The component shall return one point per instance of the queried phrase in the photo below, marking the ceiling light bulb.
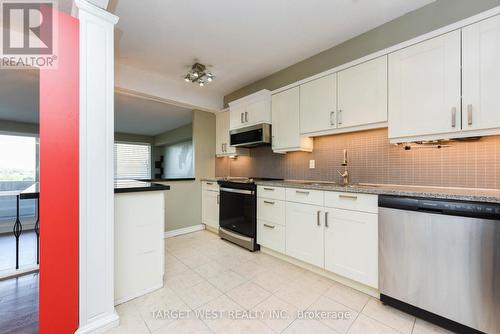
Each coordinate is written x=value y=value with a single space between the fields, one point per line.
x=186 y=79
x=195 y=74
x=202 y=84
x=209 y=79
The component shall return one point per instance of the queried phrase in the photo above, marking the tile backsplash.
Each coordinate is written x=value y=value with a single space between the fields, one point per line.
x=471 y=164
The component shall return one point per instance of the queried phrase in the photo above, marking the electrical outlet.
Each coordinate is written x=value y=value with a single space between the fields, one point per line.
x=312 y=164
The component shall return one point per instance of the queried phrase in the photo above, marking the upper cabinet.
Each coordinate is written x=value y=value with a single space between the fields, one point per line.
x=362 y=94
x=447 y=87
x=250 y=110
x=350 y=100
x=222 y=137
x=424 y=88
x=285 y=121
x=481 y=75
x=318 y=105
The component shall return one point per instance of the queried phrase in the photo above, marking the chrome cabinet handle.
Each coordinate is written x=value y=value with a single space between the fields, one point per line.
x=453 y=117
x=302 y=192
x=332 y=118
x=326 y=219
x=348 y=196
x=269 y=189
x=241 y=117
x=209 y=183
x=339 y=117
x=269 y=202
x=318 y=222
x=218 y=199
x=246 y=116
x=269 y=226
x=469 y=114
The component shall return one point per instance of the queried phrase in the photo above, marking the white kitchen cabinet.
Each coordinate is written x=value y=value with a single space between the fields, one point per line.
x=222 y=137
x=210 y=204
x=250 y=110
x=286 y=126
x=351 y=245
x=271 y=235
x=424 y=89
x=362 y=94
x=318 y=105
x=481 y=75
x=304 y=233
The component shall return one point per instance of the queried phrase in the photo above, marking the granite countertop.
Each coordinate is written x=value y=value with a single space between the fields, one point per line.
x=127 y=186
x=462 y=194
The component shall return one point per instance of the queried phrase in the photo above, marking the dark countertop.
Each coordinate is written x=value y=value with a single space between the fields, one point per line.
x=460 y=194
x=129 y=186
x=31 y=192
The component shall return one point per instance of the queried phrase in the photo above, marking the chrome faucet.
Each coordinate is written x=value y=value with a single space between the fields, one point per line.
x=345 y=174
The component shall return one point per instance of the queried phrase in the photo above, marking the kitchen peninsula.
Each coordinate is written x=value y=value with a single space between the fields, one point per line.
x=139 y=242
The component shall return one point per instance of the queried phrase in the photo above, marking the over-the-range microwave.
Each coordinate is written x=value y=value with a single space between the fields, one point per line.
x=251 y=136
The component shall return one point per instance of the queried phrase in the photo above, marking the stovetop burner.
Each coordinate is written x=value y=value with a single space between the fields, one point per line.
x=238 y=179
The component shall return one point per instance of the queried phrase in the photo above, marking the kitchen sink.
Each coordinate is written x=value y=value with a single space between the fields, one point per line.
x=318 y=183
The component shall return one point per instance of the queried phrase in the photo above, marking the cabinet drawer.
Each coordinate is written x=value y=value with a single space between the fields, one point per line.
x=352 y=201
x=271 y=235
x=271 y=210
x=306 y=196
x=271 y=192
x=210 y=185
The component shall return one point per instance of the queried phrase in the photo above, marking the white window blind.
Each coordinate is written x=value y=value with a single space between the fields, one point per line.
x=132 y=161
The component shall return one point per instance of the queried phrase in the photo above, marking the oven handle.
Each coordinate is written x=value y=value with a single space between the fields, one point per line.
x=238 y=191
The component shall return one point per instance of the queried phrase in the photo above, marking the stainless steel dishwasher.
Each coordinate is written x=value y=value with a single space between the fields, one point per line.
x=440 y=260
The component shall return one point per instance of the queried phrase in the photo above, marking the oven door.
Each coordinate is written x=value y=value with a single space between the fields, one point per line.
x=238 y=211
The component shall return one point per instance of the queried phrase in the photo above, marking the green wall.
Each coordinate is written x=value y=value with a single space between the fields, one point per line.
x=426 y=19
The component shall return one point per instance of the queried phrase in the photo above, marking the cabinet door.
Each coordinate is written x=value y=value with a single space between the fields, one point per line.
x=222 y=132
x=210 y=208
x=257 y=112
x=318 y=104
x=481 y=75
x=351 y=245
x=236 y=117
x=424 y=88
x=362 y=94
x=304 y=233
x=285 y=119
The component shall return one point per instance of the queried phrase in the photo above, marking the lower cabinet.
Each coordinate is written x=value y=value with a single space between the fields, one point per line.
x=304 y=233
x=351 y=245
x=271 y=235
x=331 y=230
x=210 y=207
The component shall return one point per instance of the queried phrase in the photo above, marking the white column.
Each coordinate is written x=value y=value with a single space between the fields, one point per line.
x=96 y=297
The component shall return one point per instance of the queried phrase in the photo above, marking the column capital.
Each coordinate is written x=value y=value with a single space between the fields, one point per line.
x=87 y=7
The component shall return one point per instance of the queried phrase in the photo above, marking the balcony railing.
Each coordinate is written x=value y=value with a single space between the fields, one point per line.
x=19 y=225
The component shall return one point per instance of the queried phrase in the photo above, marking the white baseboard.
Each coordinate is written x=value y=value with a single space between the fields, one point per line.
x=185 y=230
x=334 y=277
x=101 y=325
x=142 y=293
x=6 y=274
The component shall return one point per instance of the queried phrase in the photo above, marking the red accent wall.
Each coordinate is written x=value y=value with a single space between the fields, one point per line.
x=59 y=179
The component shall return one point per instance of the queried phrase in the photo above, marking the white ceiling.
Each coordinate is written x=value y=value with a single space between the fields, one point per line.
x=19 y=101
x=146 y=117
x=244 y=41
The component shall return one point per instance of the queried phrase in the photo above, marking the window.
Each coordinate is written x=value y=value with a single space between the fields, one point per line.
x=132 y=161
x=18 y=171
x=179 y=160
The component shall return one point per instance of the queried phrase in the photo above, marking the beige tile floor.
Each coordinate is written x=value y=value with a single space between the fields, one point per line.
x=210 y=282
